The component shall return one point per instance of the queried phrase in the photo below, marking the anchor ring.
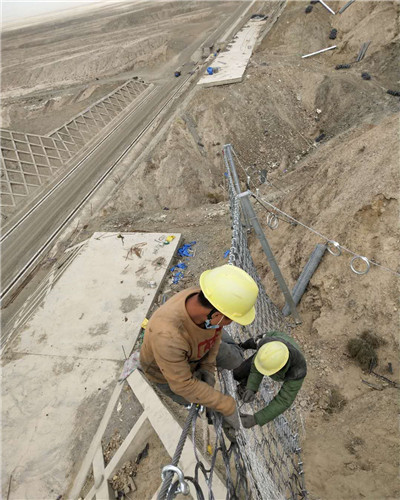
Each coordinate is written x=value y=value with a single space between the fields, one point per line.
x=364 y=259
x=336 y=245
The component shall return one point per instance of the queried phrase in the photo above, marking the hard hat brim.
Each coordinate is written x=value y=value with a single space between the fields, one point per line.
x=247 y=318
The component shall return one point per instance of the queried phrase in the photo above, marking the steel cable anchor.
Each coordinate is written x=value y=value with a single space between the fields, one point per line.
x=183 y=486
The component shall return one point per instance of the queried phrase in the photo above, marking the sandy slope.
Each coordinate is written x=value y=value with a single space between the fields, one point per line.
x=346 y=187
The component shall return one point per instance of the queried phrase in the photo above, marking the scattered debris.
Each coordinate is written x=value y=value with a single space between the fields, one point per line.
x=120 y=480
x=177 y=277
x=135 y=249
x=168 y=239
x=159 y=262
x=111 y=447
x=346 y=6
x=309 y=8
x=333 y=34
x=393 y=92
x=388 y=380
x=365 y=76
x=183 y=251
x=319 y=52
x=363 y=50
x=342 y=66
x=181 y=265
x=130 y=365
x=142 y=454
x=373 y=386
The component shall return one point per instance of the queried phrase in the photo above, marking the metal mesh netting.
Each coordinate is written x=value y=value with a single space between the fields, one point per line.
x=272 y=453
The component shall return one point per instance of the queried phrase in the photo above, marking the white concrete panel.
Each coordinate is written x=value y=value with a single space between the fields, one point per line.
x=101 y=300
x=63 y=366
x=50 y=405
x=232 y=63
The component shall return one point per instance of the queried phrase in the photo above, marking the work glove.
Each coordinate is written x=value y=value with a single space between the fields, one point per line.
x=248 y=344
x=205 y=376
x=233 y=420
x=248 y=396
x=248 y=420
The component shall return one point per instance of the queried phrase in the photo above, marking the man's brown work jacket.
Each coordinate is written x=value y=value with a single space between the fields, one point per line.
x=174 y=347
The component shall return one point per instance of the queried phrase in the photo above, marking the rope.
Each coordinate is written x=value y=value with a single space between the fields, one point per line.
x=296 y=222
x=329 y=240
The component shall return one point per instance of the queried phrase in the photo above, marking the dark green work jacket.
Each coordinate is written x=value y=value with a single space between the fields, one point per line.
x=292 y=375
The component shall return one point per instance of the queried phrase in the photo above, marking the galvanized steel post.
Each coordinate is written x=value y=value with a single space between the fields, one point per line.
x=249 y=210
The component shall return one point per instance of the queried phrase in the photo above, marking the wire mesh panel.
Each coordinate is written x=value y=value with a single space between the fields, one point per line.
x=83 y=127
x=272 y=453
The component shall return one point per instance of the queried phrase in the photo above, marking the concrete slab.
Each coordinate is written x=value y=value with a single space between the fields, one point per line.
x=232 y=63
x=60 y=371
x=105 y=294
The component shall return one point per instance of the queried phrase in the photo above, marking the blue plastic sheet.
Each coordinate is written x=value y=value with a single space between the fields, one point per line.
x=183 y=251
x=181 y=265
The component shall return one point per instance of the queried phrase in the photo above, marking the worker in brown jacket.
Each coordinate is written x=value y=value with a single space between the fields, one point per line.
x=182 y=344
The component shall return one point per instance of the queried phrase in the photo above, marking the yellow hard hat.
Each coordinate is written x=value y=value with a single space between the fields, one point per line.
x=231 y=291
x=271 y=357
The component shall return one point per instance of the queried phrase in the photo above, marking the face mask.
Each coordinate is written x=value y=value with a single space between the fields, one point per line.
x=209 y=326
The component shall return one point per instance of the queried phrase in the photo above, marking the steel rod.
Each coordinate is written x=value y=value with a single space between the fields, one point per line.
x=327 y=7
x=248 y=208
x=305 y=276
x=319 y=51
x=345 y=6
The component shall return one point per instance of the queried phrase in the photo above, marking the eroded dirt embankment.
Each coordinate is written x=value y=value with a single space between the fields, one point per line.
x=345 y=186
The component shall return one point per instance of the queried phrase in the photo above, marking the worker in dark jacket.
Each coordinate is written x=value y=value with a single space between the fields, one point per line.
x=279 y=357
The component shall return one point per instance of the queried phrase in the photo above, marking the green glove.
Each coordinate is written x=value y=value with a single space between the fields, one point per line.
x=248 y=421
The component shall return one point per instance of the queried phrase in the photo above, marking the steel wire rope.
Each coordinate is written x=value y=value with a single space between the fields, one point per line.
x=178 y=452
x=295 y=222
x=329 y=240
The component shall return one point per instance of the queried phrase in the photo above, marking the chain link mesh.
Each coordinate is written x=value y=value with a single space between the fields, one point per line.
x=272 y=453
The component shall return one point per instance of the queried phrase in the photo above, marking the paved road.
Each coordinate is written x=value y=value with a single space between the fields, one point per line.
x=23 y=243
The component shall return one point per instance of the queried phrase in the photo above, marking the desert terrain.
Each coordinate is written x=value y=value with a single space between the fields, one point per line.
x=345 y=186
